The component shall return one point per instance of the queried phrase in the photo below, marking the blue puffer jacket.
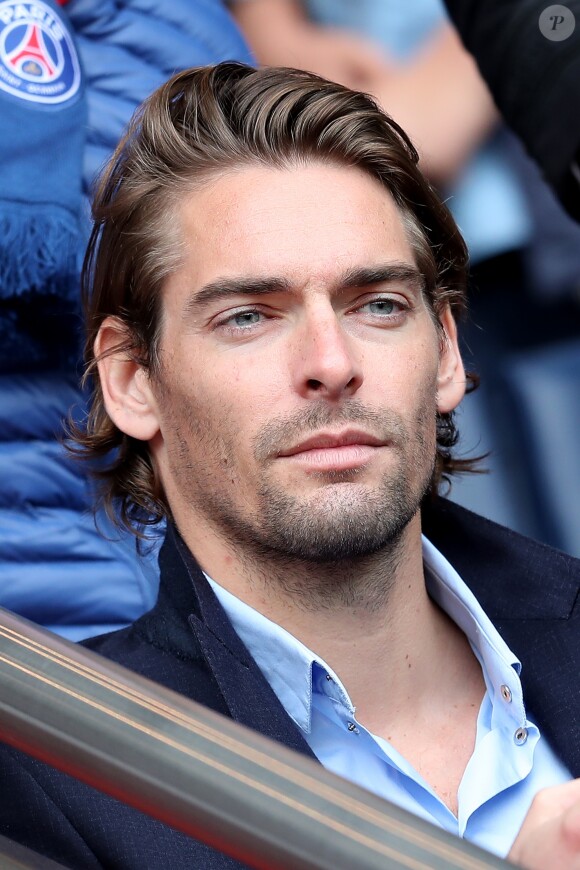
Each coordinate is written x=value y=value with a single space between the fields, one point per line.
x=55 y=567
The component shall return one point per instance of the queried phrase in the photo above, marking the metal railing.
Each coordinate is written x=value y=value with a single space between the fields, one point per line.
x=199 y=772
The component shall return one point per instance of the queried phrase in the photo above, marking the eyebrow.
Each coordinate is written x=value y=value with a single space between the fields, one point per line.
x=391 y=273
x=228 y=288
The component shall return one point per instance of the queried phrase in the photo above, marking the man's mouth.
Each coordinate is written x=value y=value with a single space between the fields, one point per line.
x=327 y=451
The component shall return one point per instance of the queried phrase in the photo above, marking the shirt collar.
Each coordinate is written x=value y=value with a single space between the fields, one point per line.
x=500 y=667
x=283 y=659
x=287 y=663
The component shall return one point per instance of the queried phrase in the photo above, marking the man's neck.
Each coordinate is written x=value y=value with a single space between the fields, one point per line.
x=371 y=620
x=409 y=670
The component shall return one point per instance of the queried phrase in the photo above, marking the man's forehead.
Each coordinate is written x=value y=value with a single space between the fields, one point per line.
x=313 y=220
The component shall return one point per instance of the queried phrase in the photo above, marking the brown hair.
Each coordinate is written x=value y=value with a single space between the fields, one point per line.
x=200 y=123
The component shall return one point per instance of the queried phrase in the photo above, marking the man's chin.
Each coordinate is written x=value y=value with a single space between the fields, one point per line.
x=326 y=531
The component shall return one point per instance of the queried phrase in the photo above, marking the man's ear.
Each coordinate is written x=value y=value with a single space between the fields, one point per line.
x=125 y=384
x=451 y=375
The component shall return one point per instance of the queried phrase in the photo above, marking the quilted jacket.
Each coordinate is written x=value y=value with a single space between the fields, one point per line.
x=55 y=567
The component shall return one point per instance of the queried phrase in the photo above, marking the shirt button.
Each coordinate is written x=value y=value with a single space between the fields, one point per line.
x=506 y=693
x=520 y=736
x=329 y=678
x=352 y=727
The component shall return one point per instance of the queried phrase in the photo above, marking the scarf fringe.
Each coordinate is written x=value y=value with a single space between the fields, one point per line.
x=38 y=251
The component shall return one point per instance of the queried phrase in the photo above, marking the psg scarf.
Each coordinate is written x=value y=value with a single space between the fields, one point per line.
x=42 y=129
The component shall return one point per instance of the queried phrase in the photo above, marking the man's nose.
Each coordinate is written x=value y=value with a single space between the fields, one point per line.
x=325 y=362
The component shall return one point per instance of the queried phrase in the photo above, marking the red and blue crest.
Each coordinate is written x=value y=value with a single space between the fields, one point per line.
x=38 y=58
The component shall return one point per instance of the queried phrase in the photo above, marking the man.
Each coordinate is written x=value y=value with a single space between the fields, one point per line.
x=272 y=289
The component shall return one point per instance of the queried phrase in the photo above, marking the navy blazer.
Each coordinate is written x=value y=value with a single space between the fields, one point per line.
x=187 y=643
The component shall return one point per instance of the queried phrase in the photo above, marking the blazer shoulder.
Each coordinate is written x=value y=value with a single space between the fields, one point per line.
x=511 y=575
x=165 y=652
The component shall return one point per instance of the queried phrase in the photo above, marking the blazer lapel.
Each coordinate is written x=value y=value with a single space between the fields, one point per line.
x=248 y=695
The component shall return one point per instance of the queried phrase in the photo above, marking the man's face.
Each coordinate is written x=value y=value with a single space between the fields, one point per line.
x=300 y=366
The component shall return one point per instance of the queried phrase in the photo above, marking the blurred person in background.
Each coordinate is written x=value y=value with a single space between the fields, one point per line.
x=524 y=252
x=529 y=55
x=70 y=79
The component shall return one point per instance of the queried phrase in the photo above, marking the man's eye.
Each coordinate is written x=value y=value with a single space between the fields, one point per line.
x=384 y=307
x=246 y=318
x=242 y=320
x=381 y=306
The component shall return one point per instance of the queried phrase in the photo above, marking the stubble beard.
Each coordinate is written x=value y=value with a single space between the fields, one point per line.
x=342 y=543
x=342 y=521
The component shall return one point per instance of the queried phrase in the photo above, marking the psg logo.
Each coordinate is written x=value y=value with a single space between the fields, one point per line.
x=38 y=59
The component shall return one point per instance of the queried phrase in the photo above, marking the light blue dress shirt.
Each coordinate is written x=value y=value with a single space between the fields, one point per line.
x=511 y=761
